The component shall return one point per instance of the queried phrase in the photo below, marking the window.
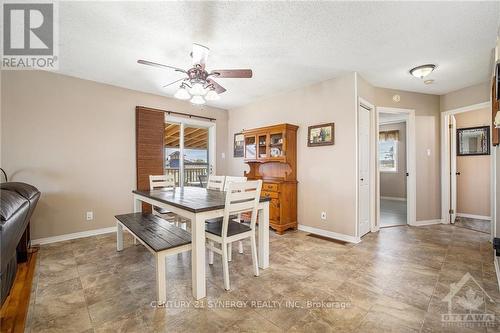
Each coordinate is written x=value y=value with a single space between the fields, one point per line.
x=388 y=155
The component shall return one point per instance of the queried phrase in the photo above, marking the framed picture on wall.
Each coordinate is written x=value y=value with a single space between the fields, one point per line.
x=473 y=141
x=320 y=135
x=239 y=140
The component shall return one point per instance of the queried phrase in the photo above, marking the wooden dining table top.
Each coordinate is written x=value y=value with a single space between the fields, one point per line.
x=190 y=198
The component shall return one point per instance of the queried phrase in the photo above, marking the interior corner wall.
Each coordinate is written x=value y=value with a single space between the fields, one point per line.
x=427 y=146
x=75 y=141
x=326 y=175
x=476 y=94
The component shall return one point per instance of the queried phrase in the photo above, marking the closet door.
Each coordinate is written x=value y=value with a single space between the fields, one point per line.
x=149 y=130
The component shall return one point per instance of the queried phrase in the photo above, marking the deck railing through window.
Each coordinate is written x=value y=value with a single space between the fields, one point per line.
x=190 y=174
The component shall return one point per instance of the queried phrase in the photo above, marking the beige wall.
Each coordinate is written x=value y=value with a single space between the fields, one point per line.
x=473 y=184
x=75 y=140
x=427 y=140
x=393 y=184
x=326 y=175
x=467 y=96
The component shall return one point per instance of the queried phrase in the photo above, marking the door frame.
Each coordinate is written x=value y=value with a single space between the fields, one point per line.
x=212 y=153
x=411 y=168
x=446 y=164
x=372 y=215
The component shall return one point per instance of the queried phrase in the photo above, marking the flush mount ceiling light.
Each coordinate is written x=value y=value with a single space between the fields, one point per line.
x=429 y=81
x=422 y=71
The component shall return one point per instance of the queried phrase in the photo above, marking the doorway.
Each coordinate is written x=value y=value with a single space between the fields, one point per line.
x=189 y=150
x=467 y=168
x=395 y=167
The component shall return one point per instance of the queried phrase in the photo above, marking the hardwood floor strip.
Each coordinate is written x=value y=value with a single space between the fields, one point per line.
x=14 y=310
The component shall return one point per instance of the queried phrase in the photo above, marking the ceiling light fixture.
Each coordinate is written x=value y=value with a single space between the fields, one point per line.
x=198 y=100
x=182 y=93
x=422 y=71
x=429 y=81
x=197 y=89
x=212 y=95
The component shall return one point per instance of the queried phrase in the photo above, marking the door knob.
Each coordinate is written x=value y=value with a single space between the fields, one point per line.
x=362 y=179
x=457 y=173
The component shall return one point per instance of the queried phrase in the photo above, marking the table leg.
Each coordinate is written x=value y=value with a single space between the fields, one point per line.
x=119 y=237
x=137 y=209
x=198 y=256
x=263 y=230
x=161 y=276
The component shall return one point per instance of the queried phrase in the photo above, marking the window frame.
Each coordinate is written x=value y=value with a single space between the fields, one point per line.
x=396 y=157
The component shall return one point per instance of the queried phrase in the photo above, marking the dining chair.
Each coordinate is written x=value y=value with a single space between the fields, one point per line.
x=203 y=180
x=164 y=182
x=216 y=182
x=240 y=198
x=233 y=179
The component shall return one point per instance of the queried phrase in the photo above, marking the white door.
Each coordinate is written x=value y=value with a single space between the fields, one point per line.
x=453 y=169
x=364 y=170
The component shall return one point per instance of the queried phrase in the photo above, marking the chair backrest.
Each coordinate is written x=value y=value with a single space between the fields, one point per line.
x=203 y=180
x=241 y=197
x=216 y=182
x=161 y=181
x=231 y=179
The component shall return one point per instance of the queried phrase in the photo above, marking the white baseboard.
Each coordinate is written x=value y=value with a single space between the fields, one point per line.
x=472 y=216
x=426 y=222
x=329 y=234
x=393 y=198
x=75 y=235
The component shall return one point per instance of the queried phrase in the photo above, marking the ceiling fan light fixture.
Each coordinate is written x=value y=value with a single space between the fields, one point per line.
x=422 y=71
x=197 y=89
x=198 y=100
x=182 y=93
x=212 y=95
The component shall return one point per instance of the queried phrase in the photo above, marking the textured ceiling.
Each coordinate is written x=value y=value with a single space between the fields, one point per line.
x=287 y=44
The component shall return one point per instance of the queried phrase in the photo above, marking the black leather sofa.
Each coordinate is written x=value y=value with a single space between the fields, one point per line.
x=17 y=203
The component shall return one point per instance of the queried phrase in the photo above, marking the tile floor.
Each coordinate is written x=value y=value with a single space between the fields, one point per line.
x=393 y=281
x=473 y=224
x=392 y=213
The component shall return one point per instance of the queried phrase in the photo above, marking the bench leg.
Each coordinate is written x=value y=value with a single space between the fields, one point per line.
x=119 y=237
x=229 y=251
x=210 y=253
x=161 y=289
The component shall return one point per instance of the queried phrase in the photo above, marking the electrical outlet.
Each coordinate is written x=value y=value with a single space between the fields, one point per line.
x=90 y=216
x=323 y=215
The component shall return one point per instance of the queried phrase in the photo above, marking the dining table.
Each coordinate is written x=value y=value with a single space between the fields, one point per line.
x=198 y=205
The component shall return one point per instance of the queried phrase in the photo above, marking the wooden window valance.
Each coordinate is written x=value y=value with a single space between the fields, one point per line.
x=389 y=135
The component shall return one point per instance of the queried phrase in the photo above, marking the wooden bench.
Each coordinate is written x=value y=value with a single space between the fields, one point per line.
x=159 y=237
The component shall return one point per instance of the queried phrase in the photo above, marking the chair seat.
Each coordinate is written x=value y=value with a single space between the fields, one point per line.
x=219 y=219
x=234 y=228
x=162 y=210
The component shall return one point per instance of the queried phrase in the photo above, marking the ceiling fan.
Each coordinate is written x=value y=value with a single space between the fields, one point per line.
x=199 y=85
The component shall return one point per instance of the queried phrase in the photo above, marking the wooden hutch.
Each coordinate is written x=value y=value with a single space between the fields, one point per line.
x=271 y=154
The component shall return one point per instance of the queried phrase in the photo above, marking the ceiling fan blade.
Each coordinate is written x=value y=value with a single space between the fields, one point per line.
x=218 y=88
x=154 y=64
x=200 y=55
x=173 y=82
x=232 y=73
